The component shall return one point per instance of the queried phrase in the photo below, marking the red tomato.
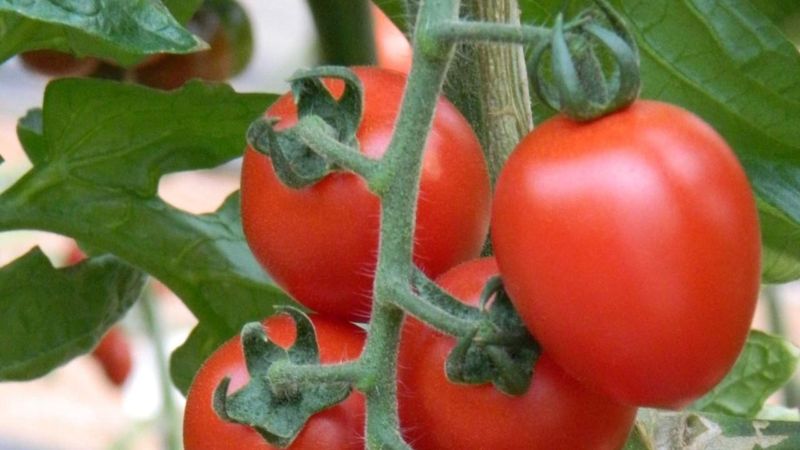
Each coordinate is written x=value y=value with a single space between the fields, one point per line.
x=55 y=63
x=320 y=243
x=556 y=413
x=114 y=355
x=391 y=45
x=339 y=427
x=630 y=246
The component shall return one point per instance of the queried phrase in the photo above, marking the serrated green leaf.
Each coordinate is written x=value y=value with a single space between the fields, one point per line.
x=118 y=30
x=729 y=64
x=49 y=316
x=668 y=430
x=767 y=362
x=106 y=146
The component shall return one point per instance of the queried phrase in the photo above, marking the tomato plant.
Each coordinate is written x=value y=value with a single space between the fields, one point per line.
x=557 y=412
x=630 y=246
x=629 y=242
x=339 y=427
x=320 y=243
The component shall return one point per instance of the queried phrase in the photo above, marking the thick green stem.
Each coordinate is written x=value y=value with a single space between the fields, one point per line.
x=398 y=185
x=485 y=31
x=504 y=96
x=170 y=419
x=345 y=31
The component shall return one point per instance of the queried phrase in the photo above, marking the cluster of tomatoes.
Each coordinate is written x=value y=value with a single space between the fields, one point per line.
x=629 y=246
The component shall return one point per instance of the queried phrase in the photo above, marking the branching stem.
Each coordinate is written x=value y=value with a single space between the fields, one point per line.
x=310 y=130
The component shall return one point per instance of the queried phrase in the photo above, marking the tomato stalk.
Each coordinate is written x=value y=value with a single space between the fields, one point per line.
x=345 y=30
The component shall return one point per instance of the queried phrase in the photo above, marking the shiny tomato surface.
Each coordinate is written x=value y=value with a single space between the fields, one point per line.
x=555 y=413
x=320 y=243
x=337 y=428
x=630 y=246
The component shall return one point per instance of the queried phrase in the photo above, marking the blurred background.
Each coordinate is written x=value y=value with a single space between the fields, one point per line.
x=78 y=406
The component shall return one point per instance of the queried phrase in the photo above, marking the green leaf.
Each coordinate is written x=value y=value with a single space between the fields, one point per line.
x=187 y=359
x=49 y=316
x=729 y=64
x=666 y=430
x=777 y=10
x=183 y=10
x=118 y=30
x=100 y=151
x=766 y=363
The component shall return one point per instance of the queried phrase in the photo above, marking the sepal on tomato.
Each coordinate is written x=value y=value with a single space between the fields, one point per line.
x=278 y=413
x=580 y=88
x=313 y=98
x=296 y=163
x=500 y=350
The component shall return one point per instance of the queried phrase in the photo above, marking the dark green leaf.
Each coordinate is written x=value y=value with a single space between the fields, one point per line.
x=49 y=316
x=777 y=10
x=104 y=146
x=119 y=30
x=183 y=10
x=187 y=359
x=729 y=64
x=766 y=363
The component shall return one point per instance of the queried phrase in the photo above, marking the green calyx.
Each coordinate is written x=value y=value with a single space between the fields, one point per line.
x=579 y=53
x=499 y=349
x=298 y=160
x=277 y=411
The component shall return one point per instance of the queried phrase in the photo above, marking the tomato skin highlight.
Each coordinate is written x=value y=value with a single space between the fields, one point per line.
x=339 y=427
x=630 y=247
x=320 y=243
x=393 y=51
x=556 y=413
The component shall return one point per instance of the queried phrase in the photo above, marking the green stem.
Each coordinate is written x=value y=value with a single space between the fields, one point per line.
x=434 y=294
x=310 y=129
x=398 y=186
x=169 y=411
x=345 y=31
x=289 y=375
x=453 y=31
x=439 y=319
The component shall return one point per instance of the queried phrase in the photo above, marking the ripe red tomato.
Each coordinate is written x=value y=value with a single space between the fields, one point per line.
x=320 y=243
x=225 y=26
x=391 y=46
x=114 y=355
x=556 y=413
x=630 y=246
x=55 y=63
x=339 y=427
